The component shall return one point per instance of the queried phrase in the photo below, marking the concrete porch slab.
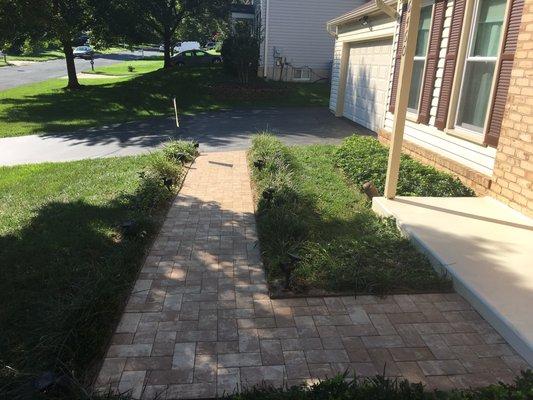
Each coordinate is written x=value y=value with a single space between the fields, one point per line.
x=488 y=250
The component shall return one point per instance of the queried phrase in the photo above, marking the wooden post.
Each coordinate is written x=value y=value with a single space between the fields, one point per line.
x=402 y=96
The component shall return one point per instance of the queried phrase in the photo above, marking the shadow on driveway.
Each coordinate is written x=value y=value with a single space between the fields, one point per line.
x=214 y=130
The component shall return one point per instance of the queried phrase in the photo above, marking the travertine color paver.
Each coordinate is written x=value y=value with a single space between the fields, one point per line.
x=200 y=323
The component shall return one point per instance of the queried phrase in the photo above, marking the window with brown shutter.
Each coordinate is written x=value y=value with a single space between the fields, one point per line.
x=398 y=57
x=503 y=76
x=432 y=59
x=450 y=61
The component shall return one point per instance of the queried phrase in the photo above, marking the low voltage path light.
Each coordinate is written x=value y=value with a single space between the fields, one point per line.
x=259 y=164
x=268 y=194
x=287 y=268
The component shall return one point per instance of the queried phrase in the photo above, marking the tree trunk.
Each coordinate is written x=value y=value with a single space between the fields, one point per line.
x=71 y=67
x=167 y=43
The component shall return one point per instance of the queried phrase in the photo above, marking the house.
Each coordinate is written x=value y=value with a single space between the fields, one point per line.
x=243 y=14
x=466 y=107
x=470 y=107
x=295 y=45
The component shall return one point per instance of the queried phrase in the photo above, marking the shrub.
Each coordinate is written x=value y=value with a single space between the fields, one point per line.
x=180 y=150
x=365 y=159
x=240 y=52
x=380 y=388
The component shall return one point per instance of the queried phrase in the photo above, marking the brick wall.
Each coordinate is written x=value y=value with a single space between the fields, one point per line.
x=479 y=182
x=513 y=170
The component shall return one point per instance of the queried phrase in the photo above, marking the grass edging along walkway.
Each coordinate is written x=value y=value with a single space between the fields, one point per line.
x=46 y=107
x=383 y=388
x=307 y=208
x=73 y=237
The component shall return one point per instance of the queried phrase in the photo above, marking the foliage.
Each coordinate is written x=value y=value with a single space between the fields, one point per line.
x=180 y=150
x=240 y=52
x=364 y=159
x=380 y=388
x=45 y=107
x=74 y=236
x=310 y=210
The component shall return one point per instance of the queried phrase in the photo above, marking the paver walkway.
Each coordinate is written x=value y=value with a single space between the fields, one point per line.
x=200 y=322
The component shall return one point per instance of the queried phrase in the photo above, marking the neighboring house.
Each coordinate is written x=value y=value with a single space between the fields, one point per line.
x=295 y=45
x=244 y=14
x=470 y=109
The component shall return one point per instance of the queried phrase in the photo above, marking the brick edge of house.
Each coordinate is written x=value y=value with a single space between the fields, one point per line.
x=477 y=181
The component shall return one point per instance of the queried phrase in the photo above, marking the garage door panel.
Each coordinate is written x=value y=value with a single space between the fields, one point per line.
x=367 y=82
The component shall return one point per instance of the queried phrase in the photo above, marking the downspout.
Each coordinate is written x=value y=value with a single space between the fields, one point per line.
x=265 y=66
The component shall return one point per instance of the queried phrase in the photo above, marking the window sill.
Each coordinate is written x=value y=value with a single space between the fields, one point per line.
x=412 y=117
x=478 y=139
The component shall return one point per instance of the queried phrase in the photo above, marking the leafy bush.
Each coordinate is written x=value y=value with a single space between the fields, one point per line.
x=240 y=52
x=365 y=159
x=380 y=388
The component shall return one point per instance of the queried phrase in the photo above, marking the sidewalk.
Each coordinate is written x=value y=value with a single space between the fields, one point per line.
x=200 y=322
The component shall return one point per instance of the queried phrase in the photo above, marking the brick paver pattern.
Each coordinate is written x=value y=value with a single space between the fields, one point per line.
x=200 y=323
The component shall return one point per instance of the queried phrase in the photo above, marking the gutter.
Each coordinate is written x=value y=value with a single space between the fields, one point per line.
x=384 y=6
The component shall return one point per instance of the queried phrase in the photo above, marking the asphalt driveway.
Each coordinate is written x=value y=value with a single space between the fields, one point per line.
x=215 y=131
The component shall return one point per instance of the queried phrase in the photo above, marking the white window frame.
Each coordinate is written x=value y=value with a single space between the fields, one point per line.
x=302 y=77
x=412 y=113
x=470 y=24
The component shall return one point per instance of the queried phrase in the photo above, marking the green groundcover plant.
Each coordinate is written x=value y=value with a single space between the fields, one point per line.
x=364 y=159
x=305 y=207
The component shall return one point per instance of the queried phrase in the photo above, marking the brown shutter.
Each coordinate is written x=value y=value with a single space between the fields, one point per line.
x=439 y=11
x=399 y=47
x=504 y=72
x=450 y=61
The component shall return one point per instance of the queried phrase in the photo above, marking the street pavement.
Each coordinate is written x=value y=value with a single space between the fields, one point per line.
x=12 y=76
x=215 y=131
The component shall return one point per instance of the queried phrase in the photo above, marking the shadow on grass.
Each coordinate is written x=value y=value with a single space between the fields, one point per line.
x=146 y=95
x=63 y=280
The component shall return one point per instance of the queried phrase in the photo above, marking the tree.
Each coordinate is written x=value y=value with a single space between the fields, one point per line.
x=165 y=16
x=62 y=20
x=240 y=51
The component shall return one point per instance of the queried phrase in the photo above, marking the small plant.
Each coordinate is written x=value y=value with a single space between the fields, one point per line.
x=180 y=150
x=131 y=68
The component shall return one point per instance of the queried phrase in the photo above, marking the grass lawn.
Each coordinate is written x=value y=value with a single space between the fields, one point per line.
x=45 y=107
x=316 y=214
x=46 y=55
x=139 y=67
x=67 y=266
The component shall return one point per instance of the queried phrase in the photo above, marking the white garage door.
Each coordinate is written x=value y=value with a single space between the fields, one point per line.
x=367 y=82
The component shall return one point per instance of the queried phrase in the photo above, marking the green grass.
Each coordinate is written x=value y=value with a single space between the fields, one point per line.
x=46 y=107
x=67 y=266
x=46 y=55
x=139 y=67
x=318 y=215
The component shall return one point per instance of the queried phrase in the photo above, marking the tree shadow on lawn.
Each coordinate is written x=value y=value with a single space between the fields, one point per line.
x=64 y=278
x=98 y=104
x=140 y=97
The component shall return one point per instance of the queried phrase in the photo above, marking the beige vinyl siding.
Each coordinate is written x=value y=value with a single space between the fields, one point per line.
x=297 y=30
x=475 y=156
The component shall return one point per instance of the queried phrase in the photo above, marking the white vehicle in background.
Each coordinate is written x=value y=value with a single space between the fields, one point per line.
x=184 y=46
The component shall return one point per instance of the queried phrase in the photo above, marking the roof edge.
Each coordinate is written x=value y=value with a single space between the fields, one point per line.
x=361 y=11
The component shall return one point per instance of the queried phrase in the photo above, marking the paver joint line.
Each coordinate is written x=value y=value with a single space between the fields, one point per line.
x=199 y=322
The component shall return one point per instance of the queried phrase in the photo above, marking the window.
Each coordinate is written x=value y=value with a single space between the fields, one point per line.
x=302 y=74
x=200 y=53
x=419 y=65
x=480 y=64
x=188 y=54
